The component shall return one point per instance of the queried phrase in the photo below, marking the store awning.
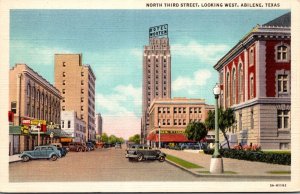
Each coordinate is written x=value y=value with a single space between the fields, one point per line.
x=57 y=133
x=168 y=137
x=15 y=130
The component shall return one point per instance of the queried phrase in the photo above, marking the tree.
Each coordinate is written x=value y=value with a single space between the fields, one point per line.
x=195 y=131
x=225 y=119
x=120 y=140
x=112 y=139
x=136 y=138
x=104 y=138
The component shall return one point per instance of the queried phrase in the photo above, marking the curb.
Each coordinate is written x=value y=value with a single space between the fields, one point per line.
x=280 y=177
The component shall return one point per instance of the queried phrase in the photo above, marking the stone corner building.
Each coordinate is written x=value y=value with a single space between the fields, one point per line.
x=255 y=78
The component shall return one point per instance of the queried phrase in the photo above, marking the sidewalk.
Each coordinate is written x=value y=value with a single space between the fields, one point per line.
x=14 y=158
x=232 y=167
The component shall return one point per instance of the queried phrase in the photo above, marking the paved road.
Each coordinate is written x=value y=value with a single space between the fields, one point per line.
x=100 y=165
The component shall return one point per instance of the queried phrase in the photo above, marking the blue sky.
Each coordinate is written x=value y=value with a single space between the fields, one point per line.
x=112 y=41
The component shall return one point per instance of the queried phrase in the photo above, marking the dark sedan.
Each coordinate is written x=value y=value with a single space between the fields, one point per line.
x=144 y=152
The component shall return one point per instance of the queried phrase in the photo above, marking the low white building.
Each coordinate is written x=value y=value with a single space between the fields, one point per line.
x=73 y=126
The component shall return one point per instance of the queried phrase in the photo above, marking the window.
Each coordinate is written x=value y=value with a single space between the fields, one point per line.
x=64 y=82
x=251 y=57
x=168 y=122
x=82 y=91
x=283 y=119
x=282 y=53
x=252 y=119
x=159 y=111
x=63 y=64
x=251 y=86
x=64 y=74
x=82 y=74
x=282 y=83
x=81 y=99
x=28 y=90
x=69 y=124
x=63 y=100
x=228 y=89
x=184 y=110
x=175 y=110
x=63 y=108
x=179 y=110
x=82 y=82
x=62 y=124
x=241 y=86
x=240 y=122
x=14 y=107
x=184 y=122
x=233 y=86
x=175 y=121
x=63 y=91
x=81 y=108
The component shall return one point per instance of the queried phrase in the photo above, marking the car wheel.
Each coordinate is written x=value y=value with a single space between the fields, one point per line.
x=53 y=157
x=161 y=158
x=79 y=150
x=25 y=158
x=140 y=158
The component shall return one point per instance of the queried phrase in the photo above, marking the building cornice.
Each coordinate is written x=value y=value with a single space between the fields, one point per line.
x=38 y=78
x=257 y=33
x=268 y=100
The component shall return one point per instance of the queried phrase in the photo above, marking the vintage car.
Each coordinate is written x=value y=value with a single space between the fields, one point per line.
x=141 y=152
x=118 y=145
x=63 y=150
x=39 y=152
x=77 y=147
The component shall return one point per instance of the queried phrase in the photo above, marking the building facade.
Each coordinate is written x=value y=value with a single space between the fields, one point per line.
x=171 y=117
x=98 y=124
x=156 y=77
x=77 y=85
x=32 y=100
x=255 y=79
x=73 y=126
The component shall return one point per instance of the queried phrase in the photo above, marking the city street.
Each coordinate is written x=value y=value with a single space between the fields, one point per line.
x=99 y=165
x=105 y=165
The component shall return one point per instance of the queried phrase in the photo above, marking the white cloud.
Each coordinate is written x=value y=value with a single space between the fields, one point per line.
x=119 y=110
x=192 y=84
x=33 y=54
x=204 y=52
x=126 y=100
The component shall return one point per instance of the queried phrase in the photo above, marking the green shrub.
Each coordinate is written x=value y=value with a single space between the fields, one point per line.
x=258 y=156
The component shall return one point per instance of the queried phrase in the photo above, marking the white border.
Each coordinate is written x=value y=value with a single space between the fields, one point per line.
x=5 y=186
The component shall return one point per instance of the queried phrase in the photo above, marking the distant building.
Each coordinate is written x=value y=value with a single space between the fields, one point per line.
x=255 y=79
x=98 y=123
x=174 y=115
x=156 y=77
x=73 y=126
x=77 y=85
x=32 y=99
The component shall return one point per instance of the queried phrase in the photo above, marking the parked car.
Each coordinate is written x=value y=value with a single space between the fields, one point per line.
x=63 y=150
x=41 y=152
x=141 y=152
x=118 y=145
x=90 y=146
x=76 y=147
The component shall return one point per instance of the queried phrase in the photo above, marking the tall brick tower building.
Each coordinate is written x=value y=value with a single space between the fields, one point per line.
x=156 y=77
x=76 y=82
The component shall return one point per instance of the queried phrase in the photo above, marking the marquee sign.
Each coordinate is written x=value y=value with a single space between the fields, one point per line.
x=158 y=31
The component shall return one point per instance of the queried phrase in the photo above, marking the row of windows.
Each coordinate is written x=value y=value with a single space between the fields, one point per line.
x=283 y=120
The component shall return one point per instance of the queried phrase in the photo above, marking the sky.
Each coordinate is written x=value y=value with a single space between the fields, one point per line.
x=112 y=41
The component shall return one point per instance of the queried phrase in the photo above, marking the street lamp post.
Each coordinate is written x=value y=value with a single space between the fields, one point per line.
x=39 y=128
x=216 y=164
x=159 y=135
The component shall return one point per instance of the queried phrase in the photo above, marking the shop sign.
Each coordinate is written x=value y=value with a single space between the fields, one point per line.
x=25 y=130
x=65 y=139
x=26 y=122
x=158 y=31
x=37 y=122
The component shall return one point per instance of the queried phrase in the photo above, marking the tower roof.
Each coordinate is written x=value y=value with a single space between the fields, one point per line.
x=282 y=21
